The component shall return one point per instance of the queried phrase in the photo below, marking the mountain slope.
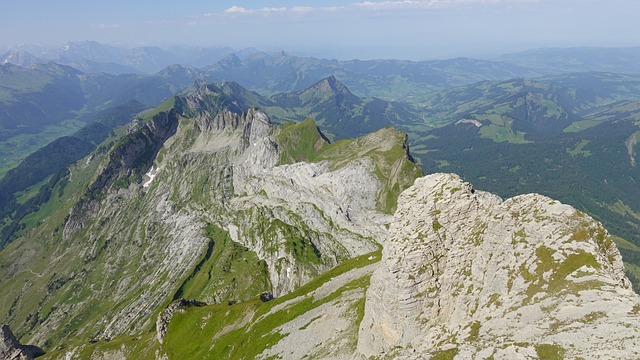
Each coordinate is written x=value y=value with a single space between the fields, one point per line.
x=191 y=191
x=540 y=107
x=560 y=137
x=29 y=185
x=41 y=103
x=31 y=98
x=462 y=274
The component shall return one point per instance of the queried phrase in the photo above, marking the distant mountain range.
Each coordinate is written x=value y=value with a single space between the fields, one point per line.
x=555 y=61
x=91 y=56
x=54 y=91
x=388 y=79
x=290 y=73
x=199 y=230
x=562 y=122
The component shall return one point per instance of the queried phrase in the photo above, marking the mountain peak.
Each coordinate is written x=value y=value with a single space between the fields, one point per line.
x=332 y=79
x=20 y=58
x=231 y=59
x=178 y=70
x=330 y=84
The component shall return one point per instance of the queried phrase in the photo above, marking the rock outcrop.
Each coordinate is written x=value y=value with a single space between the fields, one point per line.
x=164 y=318
x=11 y=349
x=127 y=161
x=467 y=275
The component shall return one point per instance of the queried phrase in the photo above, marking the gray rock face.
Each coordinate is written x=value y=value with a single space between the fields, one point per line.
x=311 y=199
x=467 y=274
x=11 y=349
x=132 y=157
x=132 y=244
x=10 y=346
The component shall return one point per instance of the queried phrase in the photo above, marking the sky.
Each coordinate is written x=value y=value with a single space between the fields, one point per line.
x=407 y=29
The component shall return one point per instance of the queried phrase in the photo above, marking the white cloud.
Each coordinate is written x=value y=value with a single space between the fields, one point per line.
x=269 y=10
x=303 y=9
x=384 y=5
x=368 y=5
x=237 y=10
x=300 y=10
x=428 y=4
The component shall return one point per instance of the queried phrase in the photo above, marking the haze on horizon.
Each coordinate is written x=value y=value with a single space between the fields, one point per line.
x=407 y=29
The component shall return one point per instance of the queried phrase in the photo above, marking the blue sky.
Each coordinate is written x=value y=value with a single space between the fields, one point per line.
x=409 y=29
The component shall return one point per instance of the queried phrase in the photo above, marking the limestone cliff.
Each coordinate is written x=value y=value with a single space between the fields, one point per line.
x=466 y=274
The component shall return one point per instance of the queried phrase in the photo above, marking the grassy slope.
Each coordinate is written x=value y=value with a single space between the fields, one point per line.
x=18 y=147
x=49 y=281
x=228 y=271
x=238 y=331
x=44 y=243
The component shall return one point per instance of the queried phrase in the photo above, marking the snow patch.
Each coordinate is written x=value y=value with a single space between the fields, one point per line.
x=151 y=174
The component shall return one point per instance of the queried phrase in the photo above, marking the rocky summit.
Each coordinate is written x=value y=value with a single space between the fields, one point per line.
x=469 y=276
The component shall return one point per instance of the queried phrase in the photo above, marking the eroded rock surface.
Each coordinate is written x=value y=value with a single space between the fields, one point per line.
x=136 y=234
x=11 y=349
x=164 y=318
x=467 y=274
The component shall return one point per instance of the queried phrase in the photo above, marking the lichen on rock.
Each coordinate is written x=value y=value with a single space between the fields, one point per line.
x=465 y=270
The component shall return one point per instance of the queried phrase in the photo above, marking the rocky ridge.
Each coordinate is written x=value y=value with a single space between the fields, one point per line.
x=467 y=275
x=135 y=242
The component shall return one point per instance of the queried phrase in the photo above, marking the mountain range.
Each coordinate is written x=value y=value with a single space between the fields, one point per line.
x=201 y=230
x=83 y=90
x=274 y=206
x=92 y=57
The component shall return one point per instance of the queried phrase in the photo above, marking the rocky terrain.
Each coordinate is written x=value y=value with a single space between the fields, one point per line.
x=225 y=216
x=466 y=274
x=11 y=349
x=463 y=275
x=202 y=231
